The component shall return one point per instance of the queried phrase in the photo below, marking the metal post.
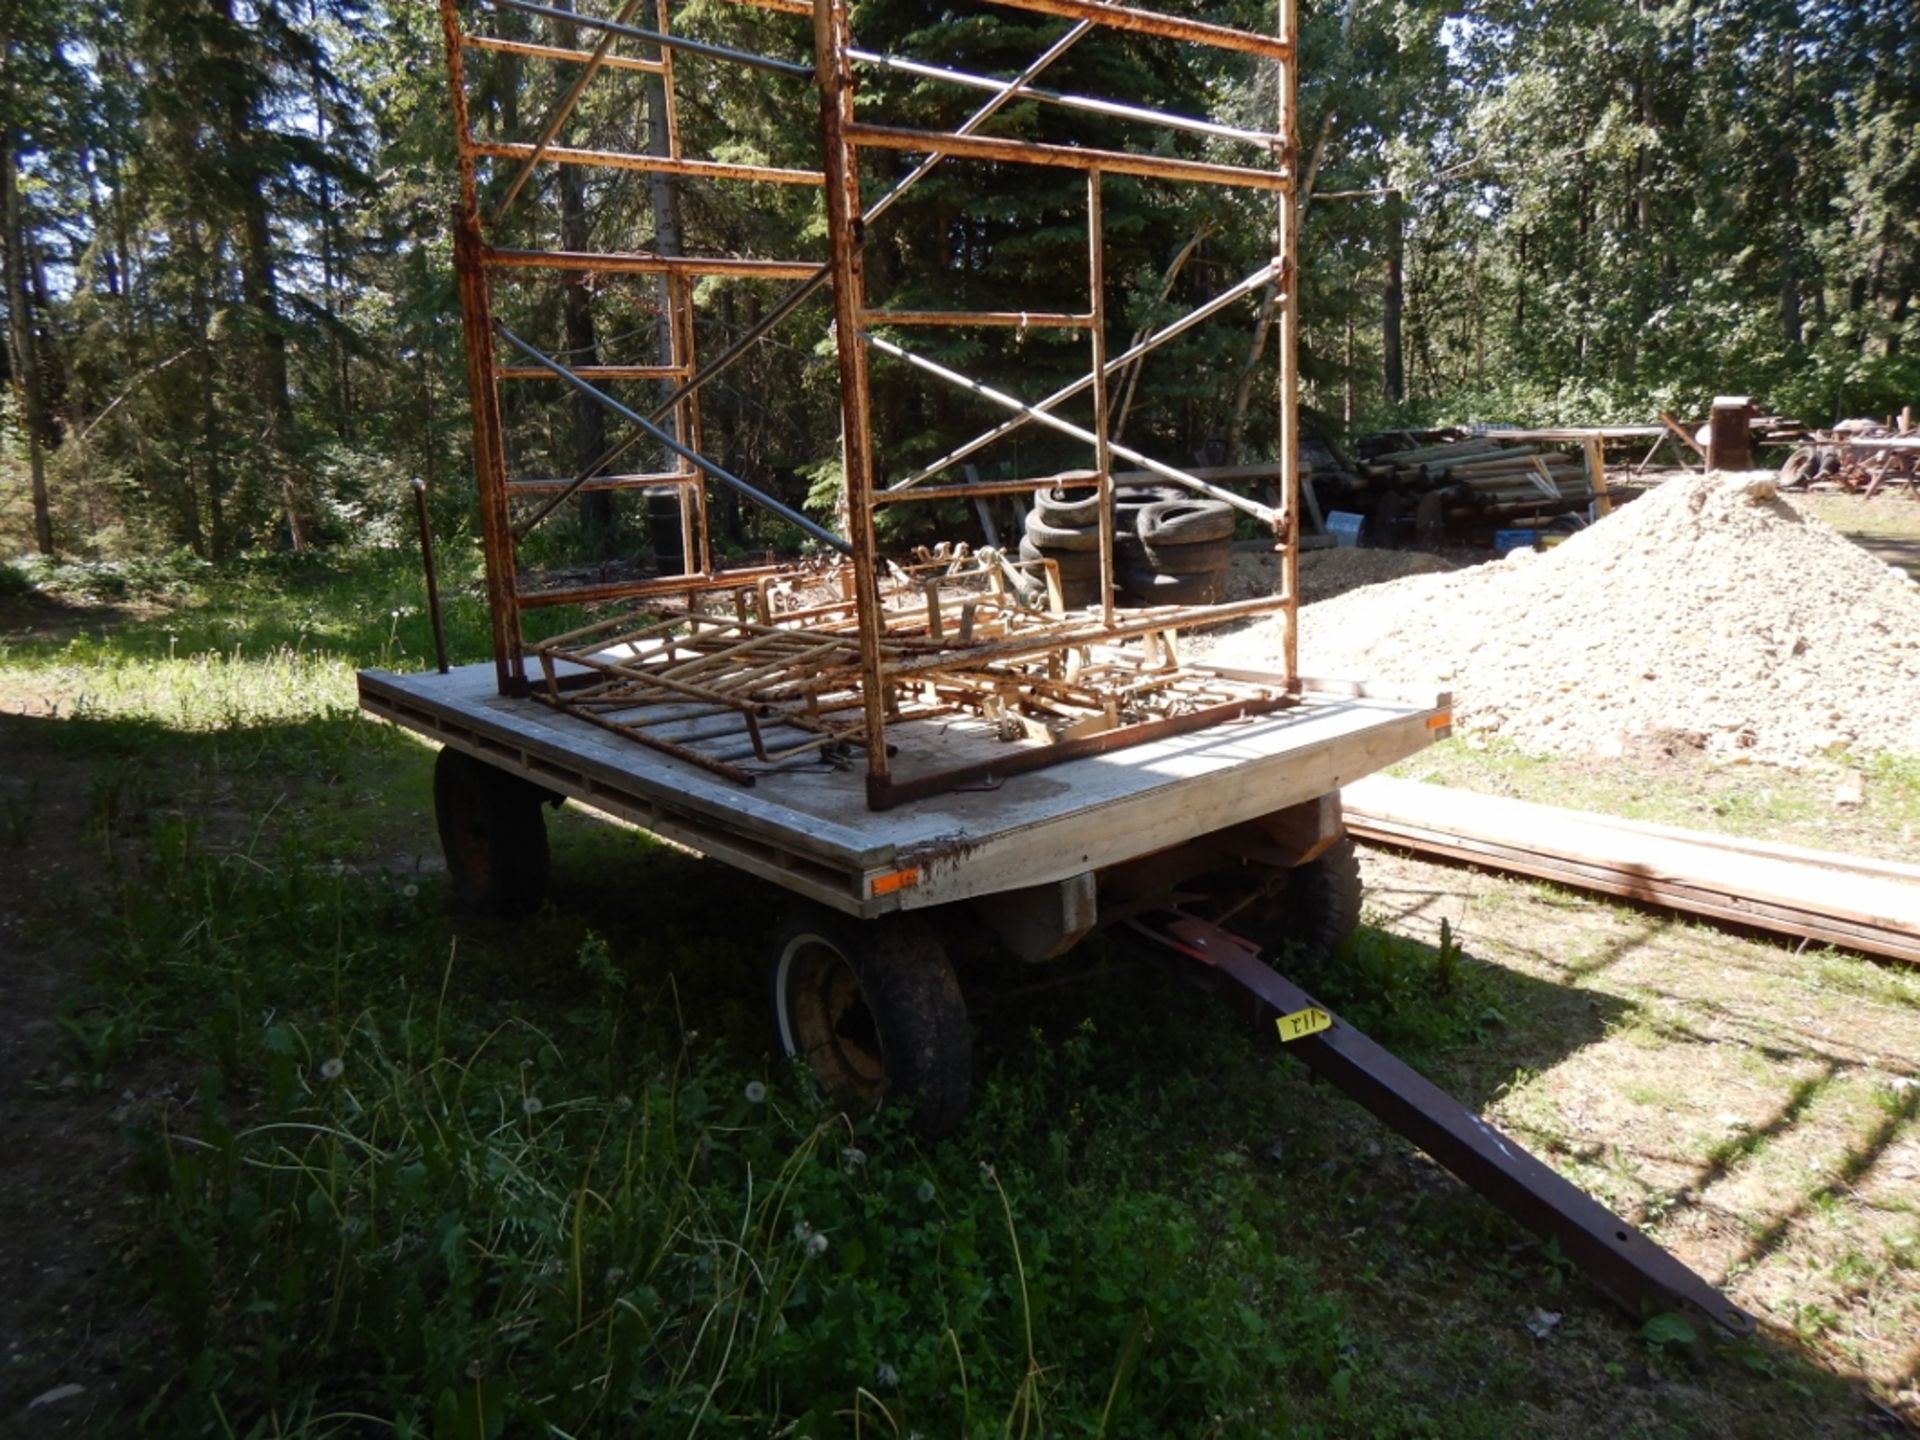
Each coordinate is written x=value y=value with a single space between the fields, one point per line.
x=1102 y=451
x=433 y=578
x=1286 y=526
x=483 y=390
x=845 y=235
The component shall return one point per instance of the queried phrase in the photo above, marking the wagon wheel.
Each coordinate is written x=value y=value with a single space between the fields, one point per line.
x=875 y=1010
x=1313 y=907
x=492 y=833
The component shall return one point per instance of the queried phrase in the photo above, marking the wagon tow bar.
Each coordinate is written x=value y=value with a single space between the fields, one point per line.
x=1623 y=1264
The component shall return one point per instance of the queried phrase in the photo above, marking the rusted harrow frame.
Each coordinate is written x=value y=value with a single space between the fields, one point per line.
x=736 y=684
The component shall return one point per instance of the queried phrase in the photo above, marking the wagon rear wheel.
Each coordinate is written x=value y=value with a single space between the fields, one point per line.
x=493 y=835
x=1314 y=907
x=875 y=1010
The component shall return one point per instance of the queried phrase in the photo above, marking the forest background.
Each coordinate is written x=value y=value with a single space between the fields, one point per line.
x=232 y=324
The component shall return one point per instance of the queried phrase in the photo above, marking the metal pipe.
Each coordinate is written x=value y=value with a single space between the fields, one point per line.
x=1065 y=157
x=433 y=579
x=1149 y=22
x=563 y=109
x=1102 y=449
x=1173 y=329
x=801 y=293
x=725 y=477
x=649 y=164
x=557 y=52
x=1069 y=102
x=654 y=37
x=614 y=262
x=1054 y=422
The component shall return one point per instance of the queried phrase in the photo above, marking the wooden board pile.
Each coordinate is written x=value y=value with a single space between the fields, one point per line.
x=1480 y=478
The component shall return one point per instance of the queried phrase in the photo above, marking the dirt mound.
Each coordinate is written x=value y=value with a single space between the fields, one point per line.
x=1710 y=615
x=1327 y=573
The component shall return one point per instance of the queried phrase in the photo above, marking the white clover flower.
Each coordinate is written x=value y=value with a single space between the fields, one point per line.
x=532 y=1105
x=410 y=891
x=332 y=1068
x=802 y=1232
x=623 y=1103
x=756 y=1093
x=924 y=1192
x=853 y=1157
x=886 y=1377
x=816 y=1244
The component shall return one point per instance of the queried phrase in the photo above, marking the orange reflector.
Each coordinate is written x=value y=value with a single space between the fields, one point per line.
x=897 y=880
x=1440 y=721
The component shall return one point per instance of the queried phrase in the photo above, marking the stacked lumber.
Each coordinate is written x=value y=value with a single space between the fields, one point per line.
x=1842 y=900
x=1485 y=477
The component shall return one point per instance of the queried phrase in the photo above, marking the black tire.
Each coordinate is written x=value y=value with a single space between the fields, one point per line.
x=1145 y=587
x=1068 y=509
x=1186 y=522
x=1061 y=537
x=1074 y=564
x=1204 y=557
x=1078 y=594
x=493 y=835
x=1130 y=500
x=1315 y=910
x=875 y=1010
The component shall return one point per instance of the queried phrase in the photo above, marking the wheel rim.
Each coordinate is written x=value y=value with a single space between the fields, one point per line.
x=825 y=1019
x=471 y=842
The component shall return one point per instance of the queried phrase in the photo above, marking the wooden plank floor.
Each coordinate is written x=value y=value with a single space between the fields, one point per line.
x=1866 y=905
x=1029 y=829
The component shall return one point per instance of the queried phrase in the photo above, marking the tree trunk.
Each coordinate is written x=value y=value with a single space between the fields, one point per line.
x=21 y=331
x=663 y=515
x=1393 y=306
x=211 y=459
x=576 y=301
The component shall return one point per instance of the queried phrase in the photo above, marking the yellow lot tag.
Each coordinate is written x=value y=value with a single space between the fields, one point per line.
x=1302 y=1023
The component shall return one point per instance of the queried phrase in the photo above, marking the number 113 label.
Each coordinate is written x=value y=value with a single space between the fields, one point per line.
x=1302 y=1023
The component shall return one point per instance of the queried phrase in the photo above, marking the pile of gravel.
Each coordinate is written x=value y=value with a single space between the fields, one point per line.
x=1326 y=573
x=1709 y=615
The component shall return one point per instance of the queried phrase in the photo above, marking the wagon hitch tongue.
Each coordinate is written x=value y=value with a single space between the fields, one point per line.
x=1623 y=1263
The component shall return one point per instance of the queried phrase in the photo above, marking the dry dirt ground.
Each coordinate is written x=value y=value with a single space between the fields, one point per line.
x=1751 y=1105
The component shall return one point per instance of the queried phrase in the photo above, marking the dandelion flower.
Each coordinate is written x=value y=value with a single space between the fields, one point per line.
x=756 y=1093
x=410 y=891
x=531 y=1105
x=332 y=1068
x=816 y=1244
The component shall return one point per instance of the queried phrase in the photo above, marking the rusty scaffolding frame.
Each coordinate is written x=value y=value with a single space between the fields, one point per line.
x=889 y=646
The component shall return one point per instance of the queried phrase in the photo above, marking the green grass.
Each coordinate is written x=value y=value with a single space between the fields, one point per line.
x=1753 y=801
x=438 y=1177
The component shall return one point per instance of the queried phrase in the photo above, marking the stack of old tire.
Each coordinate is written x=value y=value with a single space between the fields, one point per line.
x=1170 y=547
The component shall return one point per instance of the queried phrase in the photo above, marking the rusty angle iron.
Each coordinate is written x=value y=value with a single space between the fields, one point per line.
x=1622 y=1262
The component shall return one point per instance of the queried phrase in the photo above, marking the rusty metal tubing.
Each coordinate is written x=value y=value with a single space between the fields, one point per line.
x=654 y=37
x=1015 y=319
x=1150 y=22
x=433 y=579
x=1088 y=103
x=534 y=51
x=648 y=164
x=615 y=262
x=1631 y=1269
x=1065 y=157
x=885 y=792
x=1172 y=330
x=641 y=589
x=1254 y=508
x=798 y=296
x=692 y=457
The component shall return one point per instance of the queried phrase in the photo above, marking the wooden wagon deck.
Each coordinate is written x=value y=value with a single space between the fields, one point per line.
x=809 y=829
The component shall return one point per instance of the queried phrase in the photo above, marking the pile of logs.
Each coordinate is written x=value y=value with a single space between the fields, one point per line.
x=1418 y=486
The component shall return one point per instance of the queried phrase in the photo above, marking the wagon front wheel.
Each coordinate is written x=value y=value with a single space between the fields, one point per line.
x=875 y=1009
x=492 y=833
